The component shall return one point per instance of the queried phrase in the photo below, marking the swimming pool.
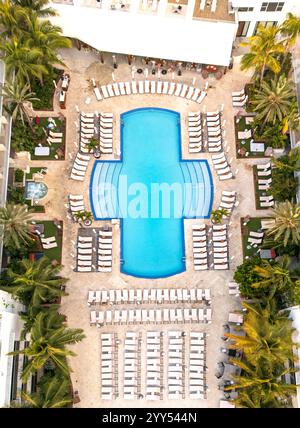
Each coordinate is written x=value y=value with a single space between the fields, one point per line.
x=151 y=189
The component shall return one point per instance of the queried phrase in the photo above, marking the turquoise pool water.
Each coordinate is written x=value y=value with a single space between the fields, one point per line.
x=151 y=189
x=35 y=190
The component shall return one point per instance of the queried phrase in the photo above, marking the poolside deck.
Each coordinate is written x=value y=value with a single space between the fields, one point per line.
x=86 y=366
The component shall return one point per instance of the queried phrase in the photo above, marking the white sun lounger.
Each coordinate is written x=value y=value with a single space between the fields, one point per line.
x=264 y=166
x=201 y=97
x=189 y=93
x=141 y=86
x=127 y=88
x=122 y=88
x=116 y=89
x=97 y=93
x=165 y=88
x=196 y=94
x=171 y=88
x=134 y=87
x=178 y=89
x=183 y=91
x=76 y=177
x=110 y=90
x=226 y=176
x=153 y=86
x=159 y=87
x=104 y=91
x=147 y=86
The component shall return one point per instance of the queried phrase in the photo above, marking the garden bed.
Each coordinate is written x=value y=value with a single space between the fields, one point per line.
x=57 y=150
x=243 y=146
x=46 y=91
x=50 y=229
x=252 y=224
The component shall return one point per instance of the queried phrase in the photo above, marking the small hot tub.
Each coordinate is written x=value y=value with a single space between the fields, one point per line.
x=35 y=190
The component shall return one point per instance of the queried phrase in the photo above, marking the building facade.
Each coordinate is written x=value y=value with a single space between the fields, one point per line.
x=178 y=30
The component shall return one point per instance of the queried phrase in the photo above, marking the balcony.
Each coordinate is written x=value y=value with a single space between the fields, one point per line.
x=177 y=8
x=148 y=6
x=214 y=10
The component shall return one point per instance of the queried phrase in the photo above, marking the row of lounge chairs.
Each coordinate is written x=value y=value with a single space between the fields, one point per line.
x=149 y=296
x=197 y=362
x=79 y=167
x=228 y=201
x=200 y=247
x=105 y=250
x=132 y=361
x=109 y=366
x=265 y=170
x=176 y=365
x=220 y=247
x=150 y=87
x=214 y=131
x=150 y=316
x=239 y=98
x=99 y=126
x=221 y=166
x=85 y=254
x=195 y=132
x=154 y=364
x=233 y=288
x=264 y=184
x=76 y=204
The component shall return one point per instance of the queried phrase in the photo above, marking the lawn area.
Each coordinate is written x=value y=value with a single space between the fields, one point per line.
x=243 y=146
x=57 y=150
x=50 y=229
x=253 y=224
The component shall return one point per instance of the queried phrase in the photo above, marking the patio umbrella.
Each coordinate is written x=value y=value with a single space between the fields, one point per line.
x=194 y=81
x=93 y=81
x=146 y=72
x=173 y=75
x=132 y=74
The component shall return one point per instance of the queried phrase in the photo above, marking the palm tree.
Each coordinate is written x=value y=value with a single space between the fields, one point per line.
x=290 y=29
x=261 y=385
x=274 y=277
x=16 y=96
x=48 y=341
x=264 y=50
x=38 y=6
x=287 y=223
x=54 y=393
x=47 y=38
x=22 y=60
x=273 y=100
x=217 y=215
x=14 y=226
x=266 y=339
x=36 y=282
x=11 y=19
x=288 y=163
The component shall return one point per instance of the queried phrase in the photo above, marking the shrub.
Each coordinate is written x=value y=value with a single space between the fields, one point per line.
x=46 y=91
x=17 y=195
x=22 y=138
x=245 y=277
x=19 y=175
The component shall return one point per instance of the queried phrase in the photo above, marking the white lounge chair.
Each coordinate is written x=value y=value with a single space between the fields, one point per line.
x=97 y=93
x=122 y=88
x=201 y=97
x=116 y=89
x=171 y=88
x=165 y=88
x=153 y=86
x=127 y=88
x=183 y=91
x=134 y=87
x=110 y=90
x=178 y=89
x=147 y=86
x=141 y=86
x=190 y=93
x=104 y=91
x=159 y=87
x=196 y=94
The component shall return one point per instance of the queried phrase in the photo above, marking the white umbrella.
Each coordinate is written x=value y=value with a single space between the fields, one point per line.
x=158 y=74
x=54 y=83
x=173 y=75
x=132 y=74
x=113 y=76
x=77 y=108
x=94 y=82
x=194 y=81
x=146 y=72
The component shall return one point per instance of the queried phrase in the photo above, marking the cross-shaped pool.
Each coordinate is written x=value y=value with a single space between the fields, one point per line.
x=151 y=189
